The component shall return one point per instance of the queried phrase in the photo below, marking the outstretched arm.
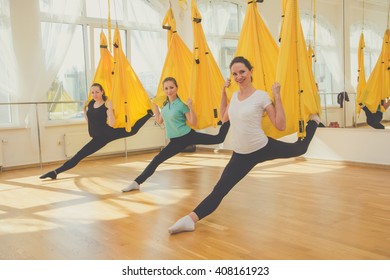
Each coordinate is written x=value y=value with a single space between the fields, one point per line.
x=276 y=111
x=191 y=116
x=224 y=104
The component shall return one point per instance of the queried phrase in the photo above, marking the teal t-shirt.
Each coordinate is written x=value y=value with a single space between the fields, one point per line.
x=175 y=118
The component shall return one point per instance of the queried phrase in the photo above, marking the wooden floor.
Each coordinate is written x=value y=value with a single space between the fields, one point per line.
x=285 y=209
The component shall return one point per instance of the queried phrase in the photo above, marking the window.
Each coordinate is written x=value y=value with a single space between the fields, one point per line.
x=222 y=21
x=148 y=51
x=69 y=84
x=373 y=42
x=326 y=58
x=78 y=54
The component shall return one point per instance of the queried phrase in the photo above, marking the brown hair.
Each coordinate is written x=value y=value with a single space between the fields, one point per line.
x=169 y=79
x=101 y=88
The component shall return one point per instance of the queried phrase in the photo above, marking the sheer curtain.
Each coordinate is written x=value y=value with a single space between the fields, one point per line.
x=7 y=56
x=57 y=29
x=38 y=53
x=215 y=19
x=148 y=43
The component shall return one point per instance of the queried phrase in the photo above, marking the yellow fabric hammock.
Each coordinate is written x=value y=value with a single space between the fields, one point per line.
x=177 y=63
x=206 y=78
x=104 y=71
x=361 y=73
x=258 y=46
x=378 y=84
x=60 y=94
x=129 y=98
x=290 y=66
x=294 y=72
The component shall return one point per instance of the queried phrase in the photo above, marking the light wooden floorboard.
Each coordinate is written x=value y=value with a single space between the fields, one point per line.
x=284 y=209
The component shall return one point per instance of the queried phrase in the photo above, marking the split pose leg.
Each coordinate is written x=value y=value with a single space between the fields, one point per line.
x=96 y=144
x=237 y=168
x=175 y=146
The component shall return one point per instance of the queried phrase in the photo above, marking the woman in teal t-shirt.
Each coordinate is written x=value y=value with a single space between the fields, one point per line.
x=174 y=114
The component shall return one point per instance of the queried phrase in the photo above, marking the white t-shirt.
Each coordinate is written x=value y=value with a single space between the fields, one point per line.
x=245 y=121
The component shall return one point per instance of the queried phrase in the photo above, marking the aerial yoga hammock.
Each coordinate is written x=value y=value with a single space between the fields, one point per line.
x=374 y=97
x=129 y=98
x=258 y=46
x=292 y=70
x=97 y=116
x=206 y=78
x=362 y=82
x=177 y=63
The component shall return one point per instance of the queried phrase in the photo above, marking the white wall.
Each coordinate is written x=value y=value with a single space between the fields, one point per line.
x=20 y=146
x=359 y=145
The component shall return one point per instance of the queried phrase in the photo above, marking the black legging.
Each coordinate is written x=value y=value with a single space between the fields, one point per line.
x=374 y=119
x=240 y=165
x=176 y=145
x=99 y=142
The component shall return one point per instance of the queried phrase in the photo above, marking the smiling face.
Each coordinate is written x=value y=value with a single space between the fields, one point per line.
x=170 y=89
x=241 y=74
x=97 y=93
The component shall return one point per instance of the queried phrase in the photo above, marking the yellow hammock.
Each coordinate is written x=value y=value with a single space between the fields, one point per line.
x=378 y=84
x=294 y=72
x=258 y=46
x=60 y=94
x=177 y=62
x=206 y=78
x=361 y=73
x=104 y=71
x=129 y=98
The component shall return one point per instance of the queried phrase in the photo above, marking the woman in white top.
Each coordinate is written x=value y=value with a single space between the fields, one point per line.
x=251 y=145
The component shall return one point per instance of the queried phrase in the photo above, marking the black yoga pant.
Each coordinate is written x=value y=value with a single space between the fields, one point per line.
x=99 y=142
x=176 y=145
x=240 y=165
x=374 y=119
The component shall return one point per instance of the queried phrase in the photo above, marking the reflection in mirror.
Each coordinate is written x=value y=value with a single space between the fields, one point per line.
x=333 y=28
x=367 y=34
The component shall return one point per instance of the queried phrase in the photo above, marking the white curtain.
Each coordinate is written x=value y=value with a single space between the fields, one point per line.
x=39 y=49
x=7 y=55
x=215 y=19
x=39 y=52
x=148 y=44
x=56 y=37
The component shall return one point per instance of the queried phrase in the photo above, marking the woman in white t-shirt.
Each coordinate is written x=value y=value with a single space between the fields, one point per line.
x=251 y=145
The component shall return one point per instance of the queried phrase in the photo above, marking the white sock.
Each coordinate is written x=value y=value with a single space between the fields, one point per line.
x=133 y=186
x=183 y=224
